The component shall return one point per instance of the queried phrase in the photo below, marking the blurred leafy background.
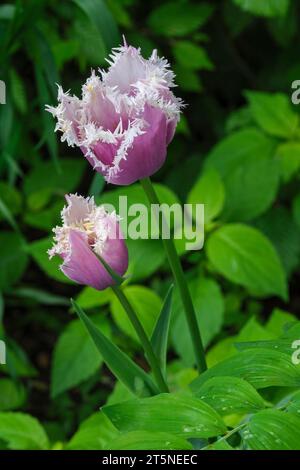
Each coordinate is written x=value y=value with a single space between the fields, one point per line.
x=237 y=149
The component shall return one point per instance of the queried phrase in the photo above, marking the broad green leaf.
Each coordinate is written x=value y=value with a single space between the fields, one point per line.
x=93 y=434
x=22 y=432
x=119 y=394
x=17 y=362
x=267 y=8
x=278 y=320
x=288 y=155
x=188 y=79
x=260 y=367
x=146 y=304
x=293 y=404
x=45 y=176
x=179 y=376
x=238 y=119
x=181 y=415
x=13 y=259
x=192 y=56
x=12 y=395
x=160 y=335
x=245 y=145
x=279 y=226
x=38 y=250
x=246 y=257
x=144 y=440
x=273 y=113
x=75 y=356
x=145 y=257
x=251 y=331
x=209 y=307
x=44 y=219
x=90 y=298
x=272 y=430
x=179 y=19
x=250 y=189
x=121 y=365
x=228 y=395
x=283 y=344
x=208 y=190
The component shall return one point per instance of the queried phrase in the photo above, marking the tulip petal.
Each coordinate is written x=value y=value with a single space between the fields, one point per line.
x=148 y=151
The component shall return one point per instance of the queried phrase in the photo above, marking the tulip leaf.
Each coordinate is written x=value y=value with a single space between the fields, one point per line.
x=245 y=256
x=182 y=415
x=159 y=338
x=208 y=190
x=100 y=16
x=22 y=432
x=121 y=365
x=273 y=112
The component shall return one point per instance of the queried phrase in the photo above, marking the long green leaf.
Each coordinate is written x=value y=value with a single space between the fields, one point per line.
x=121 y=365
x=159 y=339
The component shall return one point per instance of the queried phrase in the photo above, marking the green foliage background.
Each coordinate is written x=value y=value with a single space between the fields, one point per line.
x=237 y=150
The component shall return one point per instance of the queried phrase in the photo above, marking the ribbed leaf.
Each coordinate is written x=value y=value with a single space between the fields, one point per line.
x=260 y=367
x=272 y=430
x=228 y=395
x=181 y=415
x=144 y=440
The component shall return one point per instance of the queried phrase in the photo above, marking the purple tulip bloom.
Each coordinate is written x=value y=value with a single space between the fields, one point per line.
x=87 y=231
x=126 y=118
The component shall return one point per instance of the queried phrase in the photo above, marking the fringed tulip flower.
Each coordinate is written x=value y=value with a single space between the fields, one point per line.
x=87 y=231
x=126 y=117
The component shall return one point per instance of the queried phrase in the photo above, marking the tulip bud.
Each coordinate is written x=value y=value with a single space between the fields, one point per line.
x=126 y=118
x=87 y=231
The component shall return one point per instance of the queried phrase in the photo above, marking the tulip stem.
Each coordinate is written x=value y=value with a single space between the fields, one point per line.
x=181 y=283
x=151 y=356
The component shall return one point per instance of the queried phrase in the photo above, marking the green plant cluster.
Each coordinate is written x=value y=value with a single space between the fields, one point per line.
x=237 y=150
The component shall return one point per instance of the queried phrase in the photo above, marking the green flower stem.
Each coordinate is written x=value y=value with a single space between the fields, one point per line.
x=152 y=359
x=181 y=285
